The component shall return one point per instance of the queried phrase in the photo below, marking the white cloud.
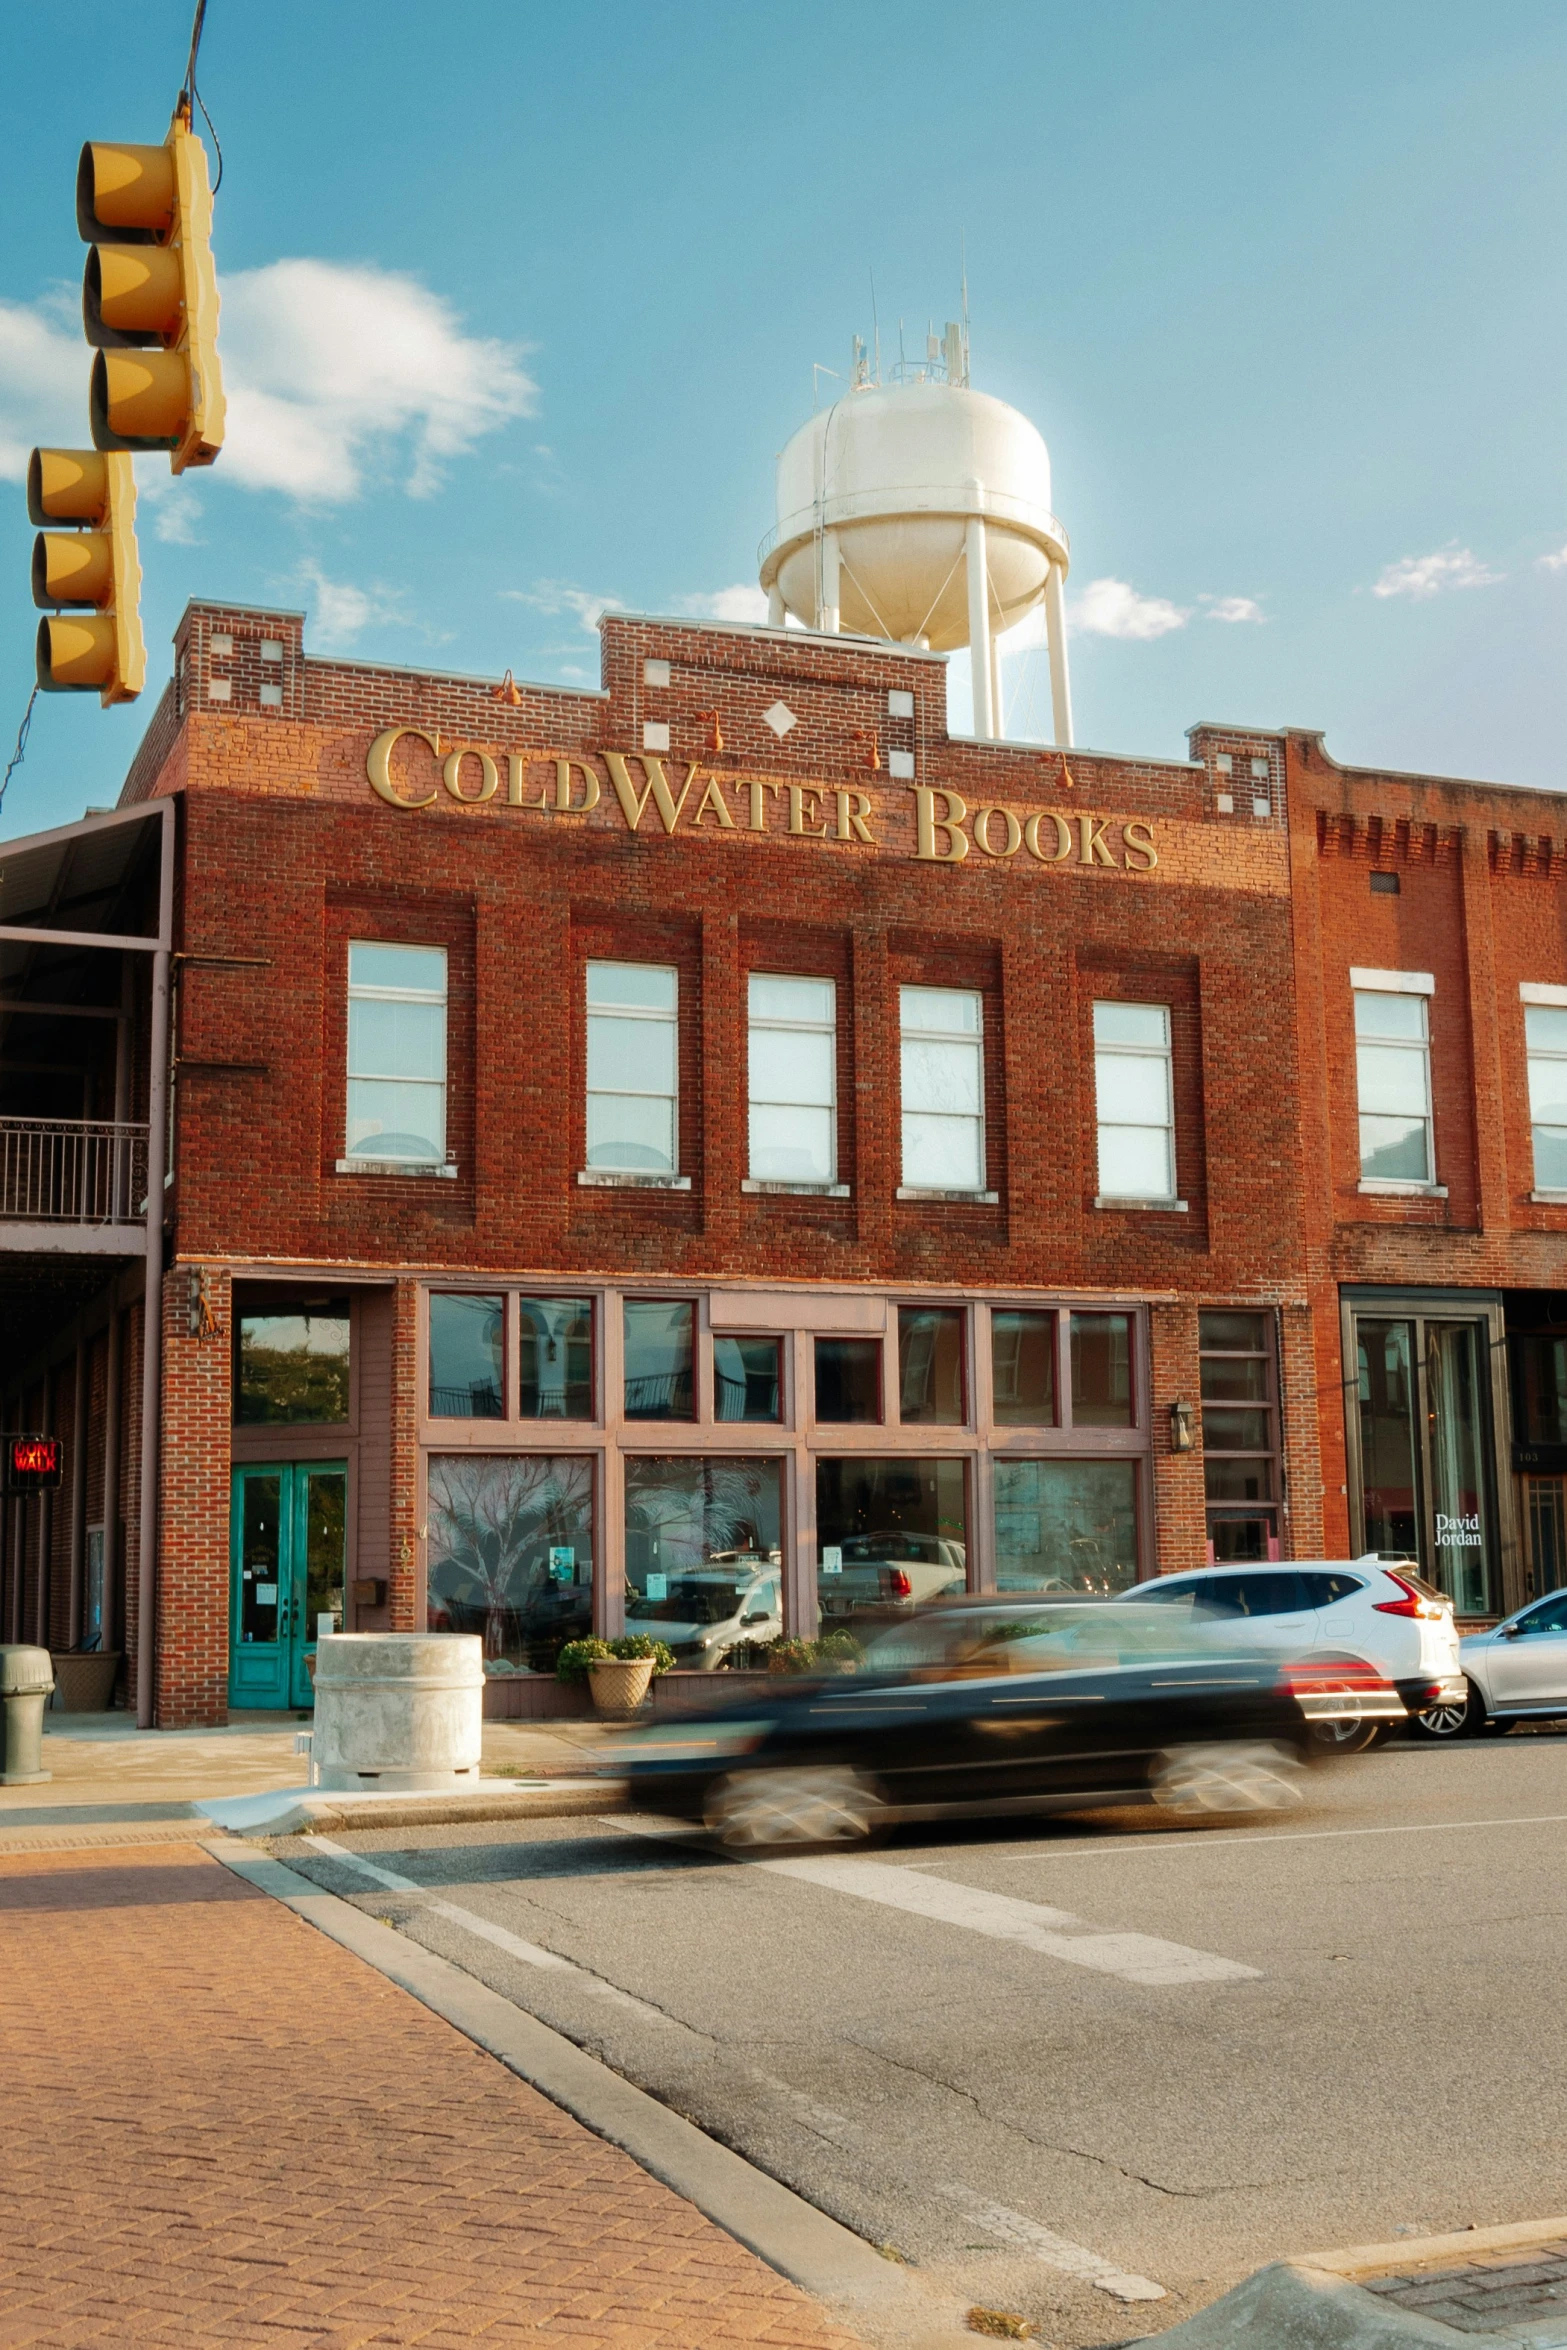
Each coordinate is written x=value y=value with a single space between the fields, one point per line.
x=1556 y=562
x=44 y=371
x=340 y=612
x=333 y=372
x=174 y=519
x=1234 y=609
x=332 y=368
x=555 y=596
x=1421 y=576
x=742 y=603
x=1109 y=607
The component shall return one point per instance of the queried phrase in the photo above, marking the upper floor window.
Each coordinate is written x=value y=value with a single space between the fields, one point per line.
x=633 y=1083
x=1134 y=1101
x=397 y=1053
x=1393 y=1077
x=793 y=1079
x=943 y=1089
x=1545 y=1035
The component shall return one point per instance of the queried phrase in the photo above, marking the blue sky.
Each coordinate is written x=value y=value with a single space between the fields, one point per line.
x=521 y=302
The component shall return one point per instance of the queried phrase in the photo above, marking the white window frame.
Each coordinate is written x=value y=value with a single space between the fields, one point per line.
x=910 y=1032
x=776 y=1024
x=667 y=1179
x=365 y=992
x=1421 y=984
x=1548 y=998
x=1164 y=1053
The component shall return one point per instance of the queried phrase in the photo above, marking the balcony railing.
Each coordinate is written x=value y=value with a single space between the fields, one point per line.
x=72 y=1171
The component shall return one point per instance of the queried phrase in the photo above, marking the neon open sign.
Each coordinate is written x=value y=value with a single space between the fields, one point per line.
x=33 y=1464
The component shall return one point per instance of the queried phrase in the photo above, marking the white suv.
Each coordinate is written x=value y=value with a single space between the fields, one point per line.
x=1381 y=1612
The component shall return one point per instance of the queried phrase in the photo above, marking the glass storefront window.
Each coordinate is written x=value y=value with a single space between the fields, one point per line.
x=1457 y=1464
x=555 y=1358
x=1388 y=1436
x=889 y=1534
x=511 y=1553
x=703 y=1555
x=1023 y=1368
x=467 y=1357
x=293 y=1362
x=848 y=1379
x=746 y=1381
x=1065 y=1525
x=660 y=1337
x=1425 y=1450
x=930 y=1365
x=1540 y=1386
x=1102 y=1370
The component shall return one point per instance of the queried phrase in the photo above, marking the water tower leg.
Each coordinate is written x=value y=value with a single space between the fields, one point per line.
x=831 y=596
x=775 y=606
x=1055 y=631
x=998 y=717
x=979 y=627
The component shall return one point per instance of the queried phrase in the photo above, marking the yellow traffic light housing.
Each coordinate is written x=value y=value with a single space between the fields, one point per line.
x=150 y=297
x=100 y=649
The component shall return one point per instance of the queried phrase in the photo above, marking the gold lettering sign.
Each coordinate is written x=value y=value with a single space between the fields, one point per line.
x=653 y=796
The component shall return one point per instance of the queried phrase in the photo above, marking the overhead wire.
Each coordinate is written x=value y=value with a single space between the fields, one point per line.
x=20 y=752
x=190 y=95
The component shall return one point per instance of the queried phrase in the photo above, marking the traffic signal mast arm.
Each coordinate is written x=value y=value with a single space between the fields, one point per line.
x=150 y=297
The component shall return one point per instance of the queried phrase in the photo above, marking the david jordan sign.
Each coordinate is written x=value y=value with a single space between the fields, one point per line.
x=646 y=793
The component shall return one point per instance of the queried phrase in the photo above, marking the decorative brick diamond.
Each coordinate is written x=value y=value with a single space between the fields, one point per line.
x=780 y=718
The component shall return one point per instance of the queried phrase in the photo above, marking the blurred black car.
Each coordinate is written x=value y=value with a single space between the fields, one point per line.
x=977 y=1706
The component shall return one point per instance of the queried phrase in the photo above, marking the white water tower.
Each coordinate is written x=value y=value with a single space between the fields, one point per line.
x=918 y=511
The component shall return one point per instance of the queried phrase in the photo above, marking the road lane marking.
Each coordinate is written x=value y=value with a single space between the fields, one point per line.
x=1012 y=2227
x=484 y=1930
x=1054 y=1933
x=1239 y=1842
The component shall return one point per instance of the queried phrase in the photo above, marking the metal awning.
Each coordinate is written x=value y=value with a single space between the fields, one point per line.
x=85 y=886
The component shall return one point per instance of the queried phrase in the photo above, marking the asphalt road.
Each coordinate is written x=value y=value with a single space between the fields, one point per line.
x=1062 y=2068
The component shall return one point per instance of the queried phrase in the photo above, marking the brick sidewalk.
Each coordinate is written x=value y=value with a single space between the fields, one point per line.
x=1492 y=2293
x=218 y=2127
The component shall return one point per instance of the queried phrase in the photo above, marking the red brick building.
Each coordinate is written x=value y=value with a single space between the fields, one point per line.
x=718 y=1150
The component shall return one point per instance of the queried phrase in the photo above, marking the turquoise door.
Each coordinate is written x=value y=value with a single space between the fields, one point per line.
x=288 y=1535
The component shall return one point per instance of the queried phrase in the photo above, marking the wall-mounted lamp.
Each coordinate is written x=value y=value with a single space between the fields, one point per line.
x=1182 y=1436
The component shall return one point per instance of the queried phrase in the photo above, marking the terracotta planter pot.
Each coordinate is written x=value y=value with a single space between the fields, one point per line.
x=85 y=1684
x=620 y=1685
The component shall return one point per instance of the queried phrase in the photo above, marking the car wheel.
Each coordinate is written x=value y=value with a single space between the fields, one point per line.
x=760 y=1810
x=1348 y=1737
x=1226 y=1781
x=1444 y=1723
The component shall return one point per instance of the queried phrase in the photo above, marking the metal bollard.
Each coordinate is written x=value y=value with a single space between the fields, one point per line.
x=26 y=1686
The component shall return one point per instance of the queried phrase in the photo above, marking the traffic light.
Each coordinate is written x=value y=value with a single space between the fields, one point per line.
x=99 y=649
x=150 y=297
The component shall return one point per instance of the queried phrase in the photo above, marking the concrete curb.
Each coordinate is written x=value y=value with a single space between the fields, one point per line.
x=289 y=1810
x=826 y=2260
x=1367 y=2260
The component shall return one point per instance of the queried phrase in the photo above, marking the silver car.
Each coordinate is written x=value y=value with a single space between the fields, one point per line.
x=1518 y=1670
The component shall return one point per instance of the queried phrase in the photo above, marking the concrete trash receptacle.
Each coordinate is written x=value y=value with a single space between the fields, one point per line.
x=398 y=1710
x=26 y=1686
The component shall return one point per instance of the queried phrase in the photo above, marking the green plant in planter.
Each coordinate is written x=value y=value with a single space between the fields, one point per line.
x=632 y=1645
x=835 y=1652
x=578 y=1657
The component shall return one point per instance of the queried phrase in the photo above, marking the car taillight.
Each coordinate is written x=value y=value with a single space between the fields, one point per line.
x=1343 y=1672
x=899 y=1584
x=1412 y=1602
